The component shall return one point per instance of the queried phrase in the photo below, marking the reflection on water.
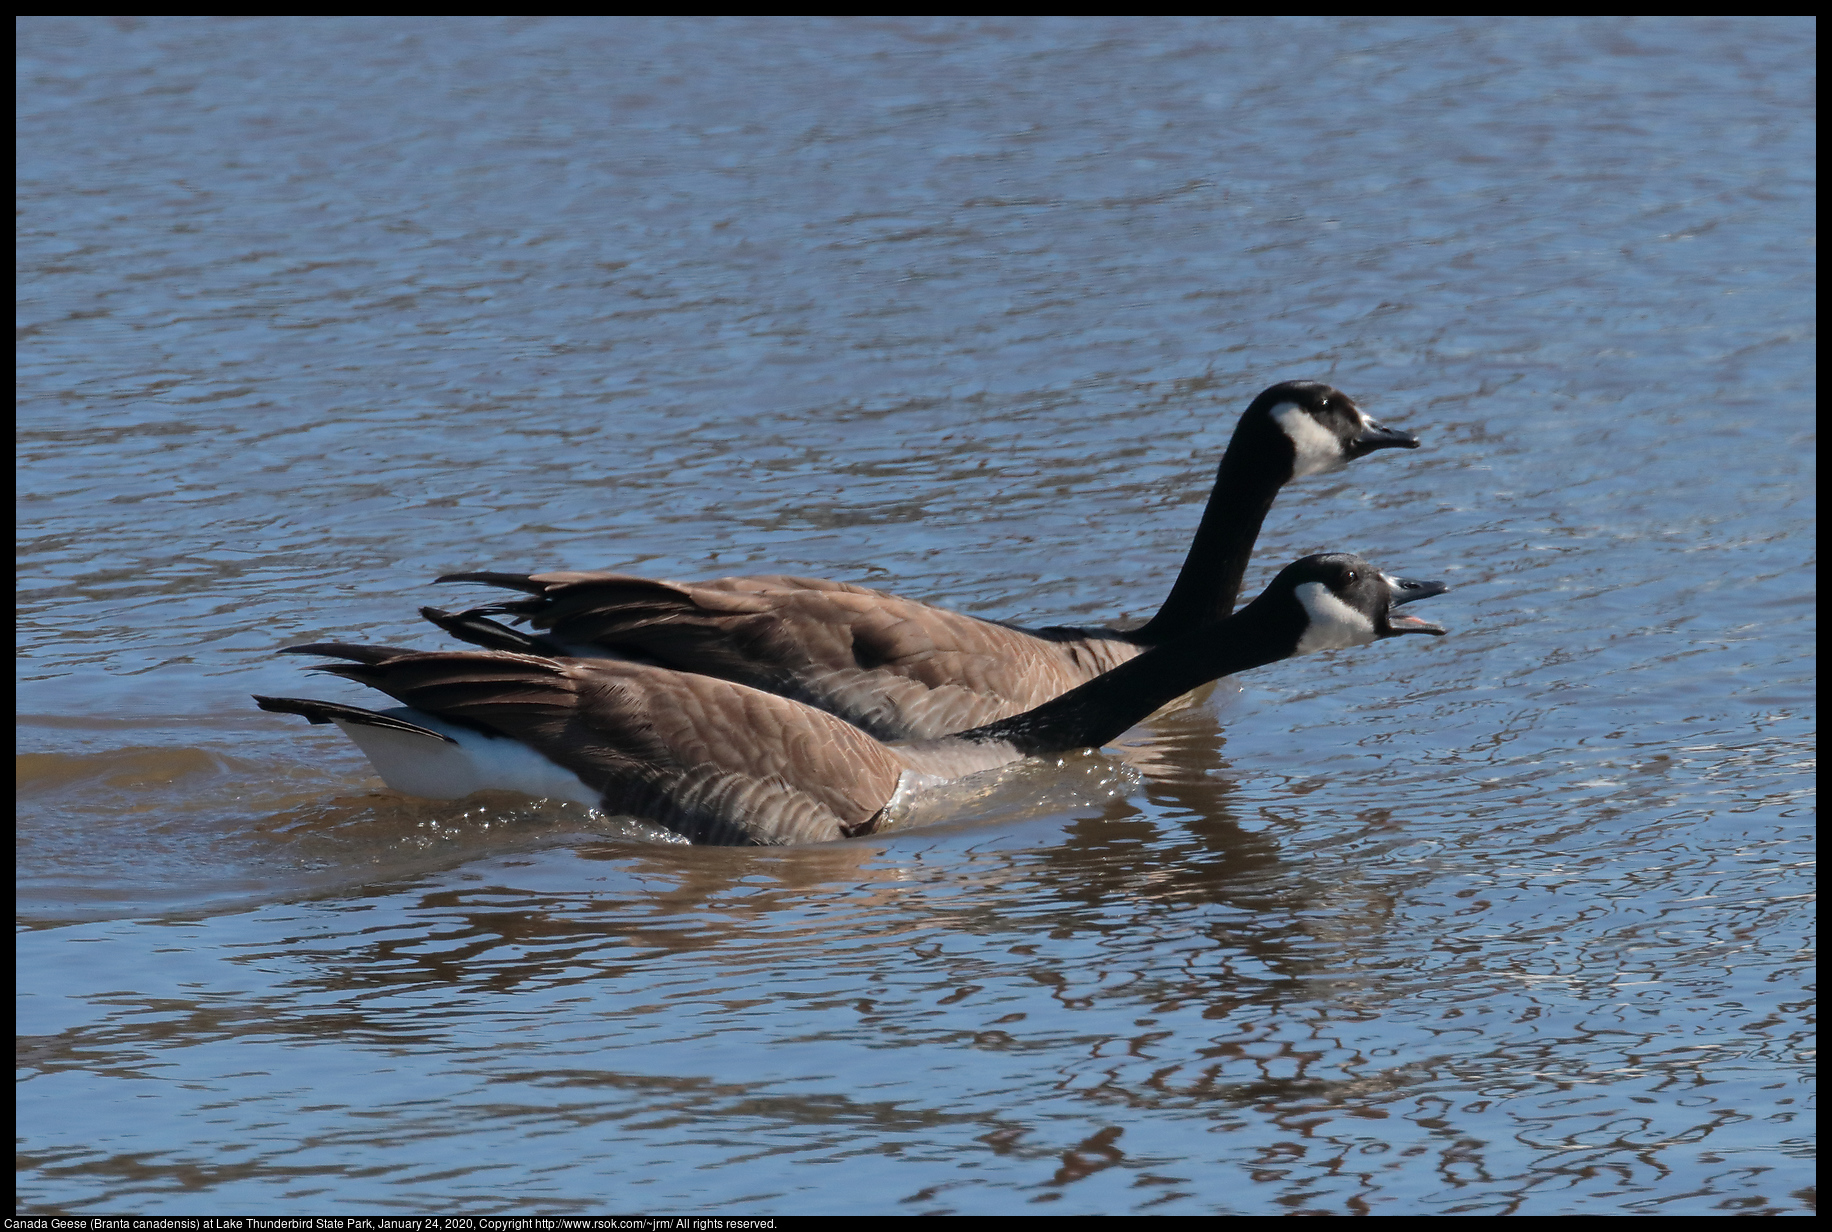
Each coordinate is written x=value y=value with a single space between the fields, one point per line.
x=316 y=310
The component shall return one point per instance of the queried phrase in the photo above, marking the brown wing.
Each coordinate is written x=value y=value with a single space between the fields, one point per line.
x=713 y=760
x=901 y=670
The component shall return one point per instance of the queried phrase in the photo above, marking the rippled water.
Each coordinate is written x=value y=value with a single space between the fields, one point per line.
x=1513 y=922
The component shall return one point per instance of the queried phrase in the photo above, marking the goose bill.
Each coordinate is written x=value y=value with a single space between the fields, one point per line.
x=1373 y=437
x=1410 y=590
x=1412 y=624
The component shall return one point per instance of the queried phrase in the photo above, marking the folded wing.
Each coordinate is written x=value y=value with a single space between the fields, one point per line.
x=899 y=669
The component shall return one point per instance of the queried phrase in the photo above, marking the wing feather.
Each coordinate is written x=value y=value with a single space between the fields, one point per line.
x=899 y=669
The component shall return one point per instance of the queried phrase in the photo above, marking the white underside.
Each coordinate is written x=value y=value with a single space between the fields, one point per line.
x=422 y=766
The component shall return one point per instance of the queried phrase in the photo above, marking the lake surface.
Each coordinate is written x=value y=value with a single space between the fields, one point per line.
x=1513 y=921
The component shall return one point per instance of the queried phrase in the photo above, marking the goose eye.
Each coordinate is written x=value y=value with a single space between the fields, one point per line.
x=1351 y=575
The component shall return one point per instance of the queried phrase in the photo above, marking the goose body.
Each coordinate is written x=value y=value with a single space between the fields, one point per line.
x=722 y=762
x=904 y=670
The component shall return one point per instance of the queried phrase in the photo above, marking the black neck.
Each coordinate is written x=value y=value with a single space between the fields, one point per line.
x=1096 y=712
x=1245 y=488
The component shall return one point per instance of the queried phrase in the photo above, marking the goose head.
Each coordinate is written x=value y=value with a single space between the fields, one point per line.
x=1337 y=599
x=1318 y=426
x=1319 y=603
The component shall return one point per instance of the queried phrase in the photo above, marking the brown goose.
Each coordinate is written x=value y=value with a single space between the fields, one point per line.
x=720 y=762
x=903 y=670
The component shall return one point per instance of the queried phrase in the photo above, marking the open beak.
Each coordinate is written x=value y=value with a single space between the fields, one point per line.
x=1376 y=437
x=1408 y=590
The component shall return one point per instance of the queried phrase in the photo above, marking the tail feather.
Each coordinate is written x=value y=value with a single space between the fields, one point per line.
x=690 y=628
x=508 y=581
x=349 y=650
x=445 y=683
x=333 y=712
x=476 y=628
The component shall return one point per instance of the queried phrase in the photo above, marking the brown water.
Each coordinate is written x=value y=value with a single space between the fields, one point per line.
x=1515 y=921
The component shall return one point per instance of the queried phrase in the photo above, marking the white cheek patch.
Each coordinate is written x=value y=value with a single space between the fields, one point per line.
x=1333 y=623
x=1316 y=448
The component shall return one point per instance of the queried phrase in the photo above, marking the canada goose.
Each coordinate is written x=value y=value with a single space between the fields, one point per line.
x=903 y=670
x=720 y=762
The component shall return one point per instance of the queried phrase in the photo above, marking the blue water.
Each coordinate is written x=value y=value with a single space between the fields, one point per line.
x=1518 y=921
